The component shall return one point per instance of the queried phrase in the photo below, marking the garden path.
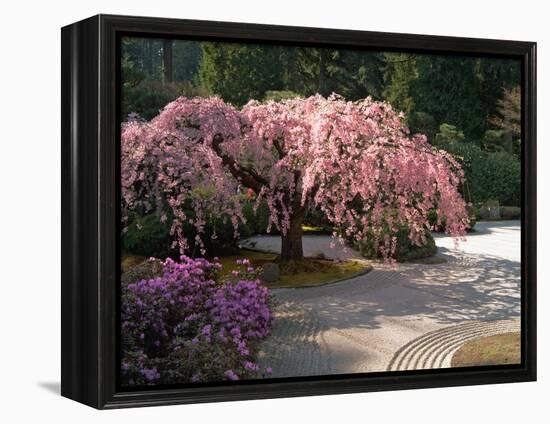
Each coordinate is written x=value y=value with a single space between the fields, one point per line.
x=407 y=316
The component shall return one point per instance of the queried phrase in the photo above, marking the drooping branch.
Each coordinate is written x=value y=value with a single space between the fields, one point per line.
x=247 y=176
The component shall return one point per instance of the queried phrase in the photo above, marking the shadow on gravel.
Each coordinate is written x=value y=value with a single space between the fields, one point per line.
x=468 y=287
x=484 y=228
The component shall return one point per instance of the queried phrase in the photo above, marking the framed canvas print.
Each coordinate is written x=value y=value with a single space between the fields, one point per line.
x=253 y=211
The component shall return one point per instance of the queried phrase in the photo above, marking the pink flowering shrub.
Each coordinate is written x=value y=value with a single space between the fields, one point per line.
x=190 y=326
x=296 y=155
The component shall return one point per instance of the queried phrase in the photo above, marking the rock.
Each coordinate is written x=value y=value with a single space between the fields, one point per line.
x=490 y=211
x=270 y=273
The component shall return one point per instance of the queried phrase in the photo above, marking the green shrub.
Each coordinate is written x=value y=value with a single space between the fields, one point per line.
x=423 y=123
x=448 y=135
x=490 y=210
x=256 y=222
x=147 y=236
x=498 y=141
x=148 y=97
x=499 y=177
x=488 y=175
x=405 y=251
x=510 y=212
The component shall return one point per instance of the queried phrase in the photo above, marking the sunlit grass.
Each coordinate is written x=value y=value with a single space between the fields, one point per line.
x=304 y=273
x=501 y=349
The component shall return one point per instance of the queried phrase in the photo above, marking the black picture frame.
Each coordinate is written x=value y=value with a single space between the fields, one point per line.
x=90 y=211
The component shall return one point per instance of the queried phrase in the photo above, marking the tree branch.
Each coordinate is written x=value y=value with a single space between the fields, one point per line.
x=248 y=177
x=279 y=149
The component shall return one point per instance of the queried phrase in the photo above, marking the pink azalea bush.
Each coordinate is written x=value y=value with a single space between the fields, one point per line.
x=190 y=326
x=354 y=161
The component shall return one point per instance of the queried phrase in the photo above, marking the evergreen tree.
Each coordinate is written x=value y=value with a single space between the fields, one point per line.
x=240 y=72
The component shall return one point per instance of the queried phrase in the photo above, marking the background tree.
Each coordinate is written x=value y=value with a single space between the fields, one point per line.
x=400 y=72
x=167 y=59
x=240 y=72
x=507 y=120
x=353 y=160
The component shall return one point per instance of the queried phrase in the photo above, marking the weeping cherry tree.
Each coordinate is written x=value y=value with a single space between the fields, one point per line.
x=354 y=161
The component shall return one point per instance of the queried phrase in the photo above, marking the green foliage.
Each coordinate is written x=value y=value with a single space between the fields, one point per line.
x=499 y=178
x=447 y=88
x=240 y=72
x=461 y=91
x=400 y=72
x=489 y=175
x=147 y=236
x=405 y=251
x=423 y=123
x=448 y=135
x=510 y=212
x=278 y=95
x=148 y=97
x=316 y=218
x=502 y=141
x=473 y=94
x=256 y=222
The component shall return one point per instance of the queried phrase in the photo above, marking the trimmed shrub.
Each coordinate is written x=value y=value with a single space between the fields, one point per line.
x=147 y=236
x=405 y=250
x=190 y=326
x=488 y=175
x=448 y=135
x=510 y=212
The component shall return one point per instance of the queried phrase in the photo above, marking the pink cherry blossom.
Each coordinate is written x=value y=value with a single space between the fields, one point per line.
x=355 y=161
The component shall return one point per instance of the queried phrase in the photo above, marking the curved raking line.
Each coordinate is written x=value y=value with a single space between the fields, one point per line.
x=436 y=348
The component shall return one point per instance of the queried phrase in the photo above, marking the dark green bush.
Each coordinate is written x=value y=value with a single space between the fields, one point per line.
x=448 y=135
x=510 y=212
x=488 y=175
x=148 y=97
x=147 y=236
x=256 y=222
x=423 y=123
x=316 y=218
x=405 y=251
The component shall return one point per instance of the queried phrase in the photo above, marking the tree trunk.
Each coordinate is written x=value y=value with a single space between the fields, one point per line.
x=291 y=242
x=322 y=72
x=167 y=61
